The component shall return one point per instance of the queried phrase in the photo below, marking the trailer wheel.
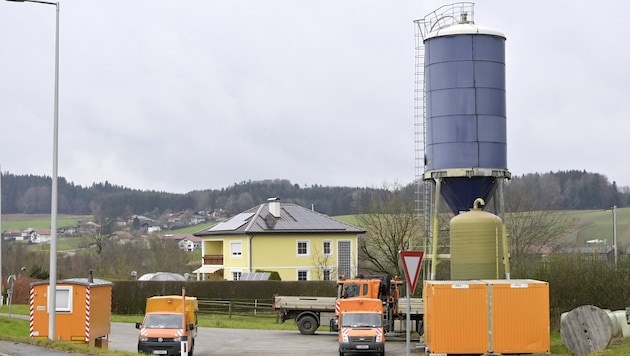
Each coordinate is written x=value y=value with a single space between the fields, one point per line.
x=307 y=325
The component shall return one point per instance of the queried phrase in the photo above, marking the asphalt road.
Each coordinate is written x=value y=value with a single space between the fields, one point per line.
x=239 y=342
x=232 y=342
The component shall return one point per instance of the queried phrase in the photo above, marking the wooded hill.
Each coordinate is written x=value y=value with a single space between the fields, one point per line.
x=29 y=194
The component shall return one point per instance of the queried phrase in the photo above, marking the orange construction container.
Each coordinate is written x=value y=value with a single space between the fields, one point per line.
x=519 y=316
x=456 y=317
x=83 y=310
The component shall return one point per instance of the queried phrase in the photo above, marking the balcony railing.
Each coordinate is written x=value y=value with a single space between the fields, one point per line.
x=213 y=260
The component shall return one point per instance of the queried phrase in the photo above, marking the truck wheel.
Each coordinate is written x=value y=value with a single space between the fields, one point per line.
x=307 y=325
x=420 y=327
x=340 y=353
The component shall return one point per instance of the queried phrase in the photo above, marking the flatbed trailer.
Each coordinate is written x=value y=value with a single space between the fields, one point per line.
x=310 y=313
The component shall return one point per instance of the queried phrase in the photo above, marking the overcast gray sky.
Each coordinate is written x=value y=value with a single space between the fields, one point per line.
x=185 y=95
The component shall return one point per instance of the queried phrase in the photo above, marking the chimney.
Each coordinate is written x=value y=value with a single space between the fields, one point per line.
x=274 y=207
x=91 y=277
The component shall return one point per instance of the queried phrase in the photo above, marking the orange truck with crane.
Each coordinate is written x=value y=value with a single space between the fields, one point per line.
x=361 y=327
x=310 y=313
x=169 y=326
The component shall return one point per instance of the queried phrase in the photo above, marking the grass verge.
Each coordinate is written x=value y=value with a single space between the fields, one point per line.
x=17 y=329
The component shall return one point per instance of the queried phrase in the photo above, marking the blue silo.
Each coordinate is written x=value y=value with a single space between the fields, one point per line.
x=460 y=121
x=466 y=146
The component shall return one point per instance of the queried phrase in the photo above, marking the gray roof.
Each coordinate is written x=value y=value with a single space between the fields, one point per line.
x=589 y=250
x=162 y=276
x=80 y=281
x=293 y=219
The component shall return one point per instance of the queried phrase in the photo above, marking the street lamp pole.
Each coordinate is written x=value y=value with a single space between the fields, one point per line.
x=614 y=211
x=52 y=290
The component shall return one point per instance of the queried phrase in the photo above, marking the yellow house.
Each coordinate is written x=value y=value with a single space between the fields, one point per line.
x=298 y=243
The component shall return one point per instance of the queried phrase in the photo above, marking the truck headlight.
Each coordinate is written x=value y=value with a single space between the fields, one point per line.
x=344 y=338
x=177 y=339
x=143 y=339
x=379 y=337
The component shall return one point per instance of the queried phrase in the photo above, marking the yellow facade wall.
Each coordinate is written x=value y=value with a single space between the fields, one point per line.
x=213 y=247
x=278 y=252
x=238 y=261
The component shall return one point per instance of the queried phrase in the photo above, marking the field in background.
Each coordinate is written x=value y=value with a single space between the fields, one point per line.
x=591 y=225
x=21 y=222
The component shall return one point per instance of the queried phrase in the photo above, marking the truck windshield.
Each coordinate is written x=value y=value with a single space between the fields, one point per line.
x=163 y=321
x=357 y=320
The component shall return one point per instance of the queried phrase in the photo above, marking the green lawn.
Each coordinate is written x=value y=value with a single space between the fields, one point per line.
x=19 y=222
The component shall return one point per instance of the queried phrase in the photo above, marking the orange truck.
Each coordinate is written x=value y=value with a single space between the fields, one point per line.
x=169 y=326
x=310 y=313
x=361 y=326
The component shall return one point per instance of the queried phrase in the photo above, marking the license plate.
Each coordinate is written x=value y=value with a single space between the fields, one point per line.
x=159 y=352
x=363 y=347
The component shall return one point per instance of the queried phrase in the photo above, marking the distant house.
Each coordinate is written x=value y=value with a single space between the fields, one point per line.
x=11 y=235
x=122 y=235
x=593 y=253
x=144 y=221
x=35 y=236
x=197 y=219
x=153 y=228
x=186 y=242
x=298 y=243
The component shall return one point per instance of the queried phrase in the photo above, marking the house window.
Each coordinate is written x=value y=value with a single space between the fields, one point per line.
x=236 y=249
x=236 y=275
x=63 y=301
x=303 y=248
x=327 y=274
x=327 y=248
x=303 y=275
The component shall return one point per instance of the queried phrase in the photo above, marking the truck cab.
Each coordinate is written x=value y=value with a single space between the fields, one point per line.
x=361 y=326
x=383 y=288
x=169 y=326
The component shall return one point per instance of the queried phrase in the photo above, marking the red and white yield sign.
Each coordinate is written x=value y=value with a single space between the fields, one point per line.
x=411 y=262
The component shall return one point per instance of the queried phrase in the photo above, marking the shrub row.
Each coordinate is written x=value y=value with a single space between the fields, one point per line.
x=129 y=297
x=576 y=280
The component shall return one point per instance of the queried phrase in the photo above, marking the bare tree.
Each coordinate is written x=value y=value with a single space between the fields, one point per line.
x=531 y=224
x=324 y=262
x=391 y=226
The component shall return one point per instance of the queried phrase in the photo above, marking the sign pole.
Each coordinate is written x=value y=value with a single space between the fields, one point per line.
x=411 y=261
x=408 y=320
x=184 y=342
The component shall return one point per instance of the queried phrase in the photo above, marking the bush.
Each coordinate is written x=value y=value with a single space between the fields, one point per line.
x=129 y=297
x=576 y=280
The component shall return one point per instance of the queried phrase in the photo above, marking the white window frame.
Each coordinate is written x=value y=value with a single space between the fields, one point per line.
x=63 y=301
x=330 y=247
x=236 y=274
x=330 y=272
x=308 y=274
x=308 y=248
x=233 y=252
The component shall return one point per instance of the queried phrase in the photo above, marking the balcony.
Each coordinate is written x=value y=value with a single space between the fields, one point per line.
x=212 y=260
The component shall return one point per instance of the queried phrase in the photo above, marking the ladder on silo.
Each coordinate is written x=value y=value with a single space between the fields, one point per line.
x=423 y=191
x=445 y=16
